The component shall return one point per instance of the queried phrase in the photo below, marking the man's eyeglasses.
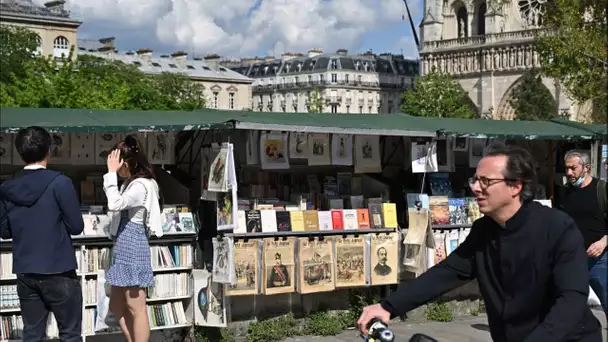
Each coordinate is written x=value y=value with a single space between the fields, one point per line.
x=485 y=182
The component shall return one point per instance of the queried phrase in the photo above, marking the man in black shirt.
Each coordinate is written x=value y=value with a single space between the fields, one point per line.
x=529 y=260
x=581 y=201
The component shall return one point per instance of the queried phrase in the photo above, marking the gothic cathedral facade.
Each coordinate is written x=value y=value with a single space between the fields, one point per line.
x=486 y=45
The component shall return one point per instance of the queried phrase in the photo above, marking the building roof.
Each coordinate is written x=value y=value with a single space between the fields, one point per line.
x=196 y=69
x=86 y=120
x=28 y=7
x=384 y=64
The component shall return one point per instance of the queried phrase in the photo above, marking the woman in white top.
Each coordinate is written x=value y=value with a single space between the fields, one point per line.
x=134 y=208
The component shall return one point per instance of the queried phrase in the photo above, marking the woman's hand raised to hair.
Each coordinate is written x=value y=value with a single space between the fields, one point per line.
x=114 y=161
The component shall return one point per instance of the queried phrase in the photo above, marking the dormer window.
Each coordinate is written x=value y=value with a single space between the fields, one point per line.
x=334 y=64
x=299 y=67
x=265 y=70
x=357 y=65
x=190 y=67
x=287 y=67
x=223 y=69
x=156 y=64
x=366 y=66
x=137 y=63
x=206 y=68
x=173 y=65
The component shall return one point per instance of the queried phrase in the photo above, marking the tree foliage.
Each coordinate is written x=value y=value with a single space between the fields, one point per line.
x=437 y=95
x=574 y=50
x=93 y=82
x=18 y=45
x=531 y=100
x=315 y=101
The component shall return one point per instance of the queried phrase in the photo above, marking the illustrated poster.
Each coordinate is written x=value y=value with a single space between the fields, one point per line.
x=367 y=154
x=316 y=259
x=246 y=268
x=278 y=266
x=223 y=260
x=415 y=239
x=161 y=148
x=6 y=148
x=227 y=211
x=298 y=145
x=60 y=149
x=82 y=149
x=273 y=151
x=210 y=307
x=104 y=143
x=218 y=172
x=424 y=157
x=319 y=149
x=342 y=149
x=384 y=258
x=351 y=255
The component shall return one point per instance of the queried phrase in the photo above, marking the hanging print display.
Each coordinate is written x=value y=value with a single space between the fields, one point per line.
x=253 y=152
x=60 y=149
x=82 y=149
x=316 y=260
x=209 y=304
x=246 y=268
x=298 y=145
x=342 y=149
x=223 y=260
x=367 y=154
x=351 y=256
x=161 y=148
x=319 y=149
x=424 y=157
x=278 y=266
x=218 y=173
x=273 y=151
x=384 y=258
x=104 y=143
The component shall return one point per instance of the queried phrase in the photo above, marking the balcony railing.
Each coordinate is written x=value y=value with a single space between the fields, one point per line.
x=513 y=36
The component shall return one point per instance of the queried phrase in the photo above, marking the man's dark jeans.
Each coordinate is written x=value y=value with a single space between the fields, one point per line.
x=60 y=294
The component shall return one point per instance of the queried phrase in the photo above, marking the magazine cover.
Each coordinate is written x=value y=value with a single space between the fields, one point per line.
x=351 y=256
x=315 y=260
x=273 y=148
x=246 y=268
x=384 y=258
x=210 y=306
x=278 y=266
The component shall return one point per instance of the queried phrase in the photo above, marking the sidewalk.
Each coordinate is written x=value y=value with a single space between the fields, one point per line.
x=468 y=329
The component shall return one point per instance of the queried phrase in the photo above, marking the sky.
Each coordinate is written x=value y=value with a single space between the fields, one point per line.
x=247 y=28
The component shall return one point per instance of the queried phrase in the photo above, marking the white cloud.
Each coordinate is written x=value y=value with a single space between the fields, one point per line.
x=407 y=46
x=243 y=27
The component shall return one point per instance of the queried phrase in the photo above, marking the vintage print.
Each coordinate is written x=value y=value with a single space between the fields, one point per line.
x=342 y=149
x=279 y=266
x=225 y=211
x=60 y=148
x=298 y=145
x=319 y=153
x=223 y=260
x=210 y=305
x=367 y=154
x=384 y=258
x=351 y=255
x=415 y=239
x=160 y=148
x=104 y=143
x=424 y=157
x=273 y=147
x=218 y=172
x=246 y=268
x=316 y=260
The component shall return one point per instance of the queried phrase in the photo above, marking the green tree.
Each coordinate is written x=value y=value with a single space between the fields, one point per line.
x=315 y=101
x=574 y=50
x=18 y=46
x=94 y=82
x=437 y=95
x=531 y=100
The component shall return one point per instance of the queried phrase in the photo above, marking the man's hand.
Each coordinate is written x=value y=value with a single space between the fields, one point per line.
x=371 y=312
x=597 y=248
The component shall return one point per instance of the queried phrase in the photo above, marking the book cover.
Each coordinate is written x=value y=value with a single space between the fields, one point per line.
x=363 y=218
x=375 y=213
x=440 y=210
x=283 y=221
x=389 y=213
x=254 y=221
x=357 y=202
x=325 y=222
x=269 y=221
x=336 y=220
x=472 y=210
x=186 y=222
x=458 y=213
x=349 y=217
x=336 y=203
x=297 y=221
x=311 y=220
x=241 y=222
x=440 y=184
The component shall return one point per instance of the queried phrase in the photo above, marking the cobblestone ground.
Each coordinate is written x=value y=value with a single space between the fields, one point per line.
x=468 y=329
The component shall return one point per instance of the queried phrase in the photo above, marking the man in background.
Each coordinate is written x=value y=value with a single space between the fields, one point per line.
x=529 y=261
x=585 y=199
x=39 y=210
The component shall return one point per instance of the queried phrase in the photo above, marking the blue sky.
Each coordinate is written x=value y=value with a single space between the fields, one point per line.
x=241 y=28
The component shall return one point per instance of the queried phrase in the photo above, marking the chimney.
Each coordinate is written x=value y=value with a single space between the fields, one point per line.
x=144 y=54
x=56 y=6
x=342 y=52
x=180 y=57
x=213 y=60
x=287 y=56
x=107 y=45
x=314 y=52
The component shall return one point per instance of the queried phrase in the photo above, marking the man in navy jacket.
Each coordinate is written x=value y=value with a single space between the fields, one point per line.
x=39 y=210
